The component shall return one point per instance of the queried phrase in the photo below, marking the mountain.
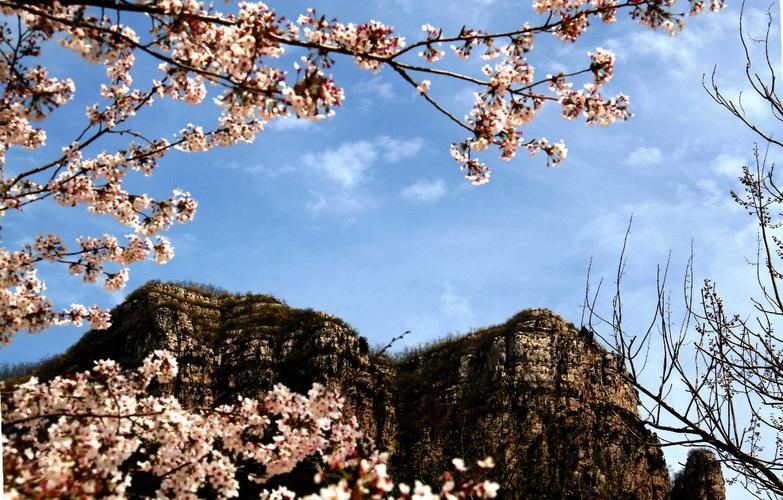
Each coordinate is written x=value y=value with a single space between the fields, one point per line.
x=541 y=397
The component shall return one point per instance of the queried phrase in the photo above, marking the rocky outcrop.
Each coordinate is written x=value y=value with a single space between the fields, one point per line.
x=537 y=394
x=543 y=399
x=227 y=345
x=701 y=479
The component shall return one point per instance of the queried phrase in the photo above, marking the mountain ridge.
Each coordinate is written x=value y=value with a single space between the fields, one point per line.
x=540 y=396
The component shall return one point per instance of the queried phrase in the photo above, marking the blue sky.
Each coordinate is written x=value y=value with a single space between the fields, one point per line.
x=366 y=216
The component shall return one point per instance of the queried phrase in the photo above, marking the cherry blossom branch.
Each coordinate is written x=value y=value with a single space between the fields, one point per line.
x=66 y=438
x=196 y=46
x=405 y=76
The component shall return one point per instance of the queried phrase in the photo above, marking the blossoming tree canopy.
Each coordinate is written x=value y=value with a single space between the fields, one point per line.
x=97 y=433
x=238 y=55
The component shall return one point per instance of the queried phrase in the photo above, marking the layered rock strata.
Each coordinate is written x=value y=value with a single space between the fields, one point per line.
x=537 y=394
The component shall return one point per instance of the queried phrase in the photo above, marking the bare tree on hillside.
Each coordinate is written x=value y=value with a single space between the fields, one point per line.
x=729 y=365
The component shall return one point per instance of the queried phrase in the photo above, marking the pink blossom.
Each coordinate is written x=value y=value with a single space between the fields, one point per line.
x=236 y=62
x=88 y=433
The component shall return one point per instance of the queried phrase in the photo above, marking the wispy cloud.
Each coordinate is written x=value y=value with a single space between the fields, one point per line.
x=729 y=165
x=346 y=164
x=349 y=163
x=267 y=170
x=644 y=156
x=425 y=191
x=370 y=92
x=346 y=203
x=749 y=103
x=291 y=123
x=393 y=150
x=680 y=53
x=317 y=202
x=455 y=305
x=376 y=88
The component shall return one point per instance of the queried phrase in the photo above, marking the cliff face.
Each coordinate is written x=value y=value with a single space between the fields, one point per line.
x=540 y=397
x=701 y=479
x=535 y=393
x=227 y=345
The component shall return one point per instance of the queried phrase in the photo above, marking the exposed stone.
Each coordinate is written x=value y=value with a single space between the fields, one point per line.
x=540 y=397
x=701 y=479
x=537 y=394
x=227 y=345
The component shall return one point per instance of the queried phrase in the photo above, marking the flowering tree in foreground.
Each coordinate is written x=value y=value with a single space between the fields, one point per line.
x=195 y=46
x=93 y=433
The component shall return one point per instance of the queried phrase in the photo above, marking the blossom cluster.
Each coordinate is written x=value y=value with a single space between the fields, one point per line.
x=512 y=97
x=369 y=478
x=239 y=56
x=94 y=433
x=22 y=303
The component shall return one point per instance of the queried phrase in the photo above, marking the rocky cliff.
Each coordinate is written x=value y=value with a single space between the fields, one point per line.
x=542 y=398
x=537 y=394
x=227 y=345
x=701 y=479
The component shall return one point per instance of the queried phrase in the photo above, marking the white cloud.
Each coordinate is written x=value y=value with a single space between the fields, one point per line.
x=375 y=88
x=250 y=166
x=710 y=191
x=643 y=156
x=463 y=9
x=455 y=306
x=749 y=103
x=395 y=150
x=755 y=24
x=349 y=163
x=271 y=171
x=681 y=53
x=346 y=165
x=728 y=165
x=345 y=203
x=663 y=46
x=426 y=191
x=701 y=211
x=291 y=123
